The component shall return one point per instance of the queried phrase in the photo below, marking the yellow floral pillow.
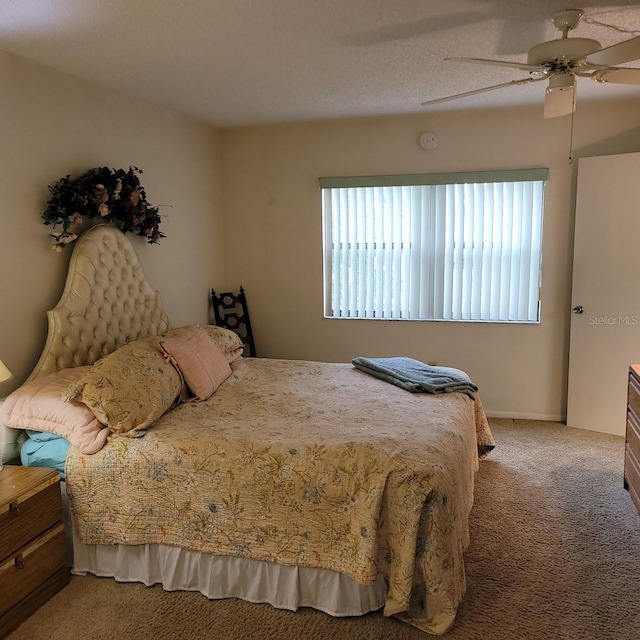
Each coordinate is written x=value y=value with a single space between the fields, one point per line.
x=129 y=389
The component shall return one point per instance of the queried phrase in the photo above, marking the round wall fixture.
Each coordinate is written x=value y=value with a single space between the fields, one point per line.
x=428 y=140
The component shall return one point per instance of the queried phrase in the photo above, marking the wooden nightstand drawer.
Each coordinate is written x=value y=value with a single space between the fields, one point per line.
x=33 y=560
x=27 y=515
x=12 y=619
x=31 y=566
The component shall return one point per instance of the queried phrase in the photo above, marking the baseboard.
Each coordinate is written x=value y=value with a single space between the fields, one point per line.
x=525 y=416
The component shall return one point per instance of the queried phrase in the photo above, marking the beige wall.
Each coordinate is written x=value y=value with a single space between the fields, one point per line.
x=53 y=125
x=272 y=217
x=243 y=207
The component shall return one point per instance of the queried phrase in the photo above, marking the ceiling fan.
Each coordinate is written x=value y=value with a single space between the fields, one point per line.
x=560 y=61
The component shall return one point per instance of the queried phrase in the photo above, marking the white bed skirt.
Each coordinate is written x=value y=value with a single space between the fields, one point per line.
x=218 y=577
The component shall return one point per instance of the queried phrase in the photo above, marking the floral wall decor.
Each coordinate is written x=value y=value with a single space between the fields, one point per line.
x=112 y=195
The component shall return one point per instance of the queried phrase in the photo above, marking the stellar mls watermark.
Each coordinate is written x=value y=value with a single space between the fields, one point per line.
x=614 y=320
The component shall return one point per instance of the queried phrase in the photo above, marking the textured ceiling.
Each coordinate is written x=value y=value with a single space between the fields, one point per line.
x=240 y=62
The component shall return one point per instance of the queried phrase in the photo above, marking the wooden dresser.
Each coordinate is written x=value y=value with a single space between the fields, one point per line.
x=632 y=447
x=33 y=562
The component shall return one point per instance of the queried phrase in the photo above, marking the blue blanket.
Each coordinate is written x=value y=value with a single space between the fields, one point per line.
x=417 y=377
x=44 y=449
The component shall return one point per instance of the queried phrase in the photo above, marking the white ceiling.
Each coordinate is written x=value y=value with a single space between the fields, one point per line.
x=241 y=62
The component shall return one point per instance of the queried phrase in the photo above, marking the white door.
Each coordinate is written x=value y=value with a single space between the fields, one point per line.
x=605 y=318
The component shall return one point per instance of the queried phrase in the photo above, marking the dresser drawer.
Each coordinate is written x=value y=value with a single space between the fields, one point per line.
x=30 y=566
x=632 y=475
x=633 y=434
x=634 y=394
x=29 y=515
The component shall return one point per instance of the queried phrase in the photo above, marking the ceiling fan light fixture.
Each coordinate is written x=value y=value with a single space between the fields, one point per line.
x=560 y=95
x=561 y=82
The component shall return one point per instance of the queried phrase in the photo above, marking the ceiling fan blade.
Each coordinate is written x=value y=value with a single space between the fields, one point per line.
x=620 y=53
x=502 y=63
x=618 y=75
x=476 y=91
x=560 y=97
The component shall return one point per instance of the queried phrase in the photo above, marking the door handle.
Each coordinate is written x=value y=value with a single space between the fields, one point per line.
x=578 y=309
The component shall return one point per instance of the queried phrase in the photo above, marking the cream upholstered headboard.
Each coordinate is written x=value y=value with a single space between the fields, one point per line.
x=106 y=303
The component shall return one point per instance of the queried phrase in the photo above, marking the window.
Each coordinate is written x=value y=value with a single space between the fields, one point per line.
x=463 y=247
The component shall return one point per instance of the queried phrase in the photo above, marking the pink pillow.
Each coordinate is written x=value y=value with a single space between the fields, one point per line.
x=38 y=405
x=200 y=361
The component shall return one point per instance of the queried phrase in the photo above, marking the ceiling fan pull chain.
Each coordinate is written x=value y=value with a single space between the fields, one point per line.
x=571 y=136
x=611 y=26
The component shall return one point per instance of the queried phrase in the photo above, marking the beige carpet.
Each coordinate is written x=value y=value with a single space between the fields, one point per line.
x=554 y=555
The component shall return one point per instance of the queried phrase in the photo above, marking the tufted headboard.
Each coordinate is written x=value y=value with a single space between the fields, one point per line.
x=106 y=303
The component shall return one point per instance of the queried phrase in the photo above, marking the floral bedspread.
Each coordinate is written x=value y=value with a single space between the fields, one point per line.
x=301 y=463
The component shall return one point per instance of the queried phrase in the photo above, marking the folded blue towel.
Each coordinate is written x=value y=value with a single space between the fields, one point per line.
x=417 y=377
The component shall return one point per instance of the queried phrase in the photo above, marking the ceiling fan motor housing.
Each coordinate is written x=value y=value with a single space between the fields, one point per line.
x=564 y=51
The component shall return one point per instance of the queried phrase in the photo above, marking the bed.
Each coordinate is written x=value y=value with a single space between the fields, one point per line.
x=295 y=483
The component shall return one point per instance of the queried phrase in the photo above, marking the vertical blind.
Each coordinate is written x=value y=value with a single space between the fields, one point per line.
x=467 y=247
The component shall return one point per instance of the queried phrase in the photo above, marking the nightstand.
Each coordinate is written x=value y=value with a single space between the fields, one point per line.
x=33 y=562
